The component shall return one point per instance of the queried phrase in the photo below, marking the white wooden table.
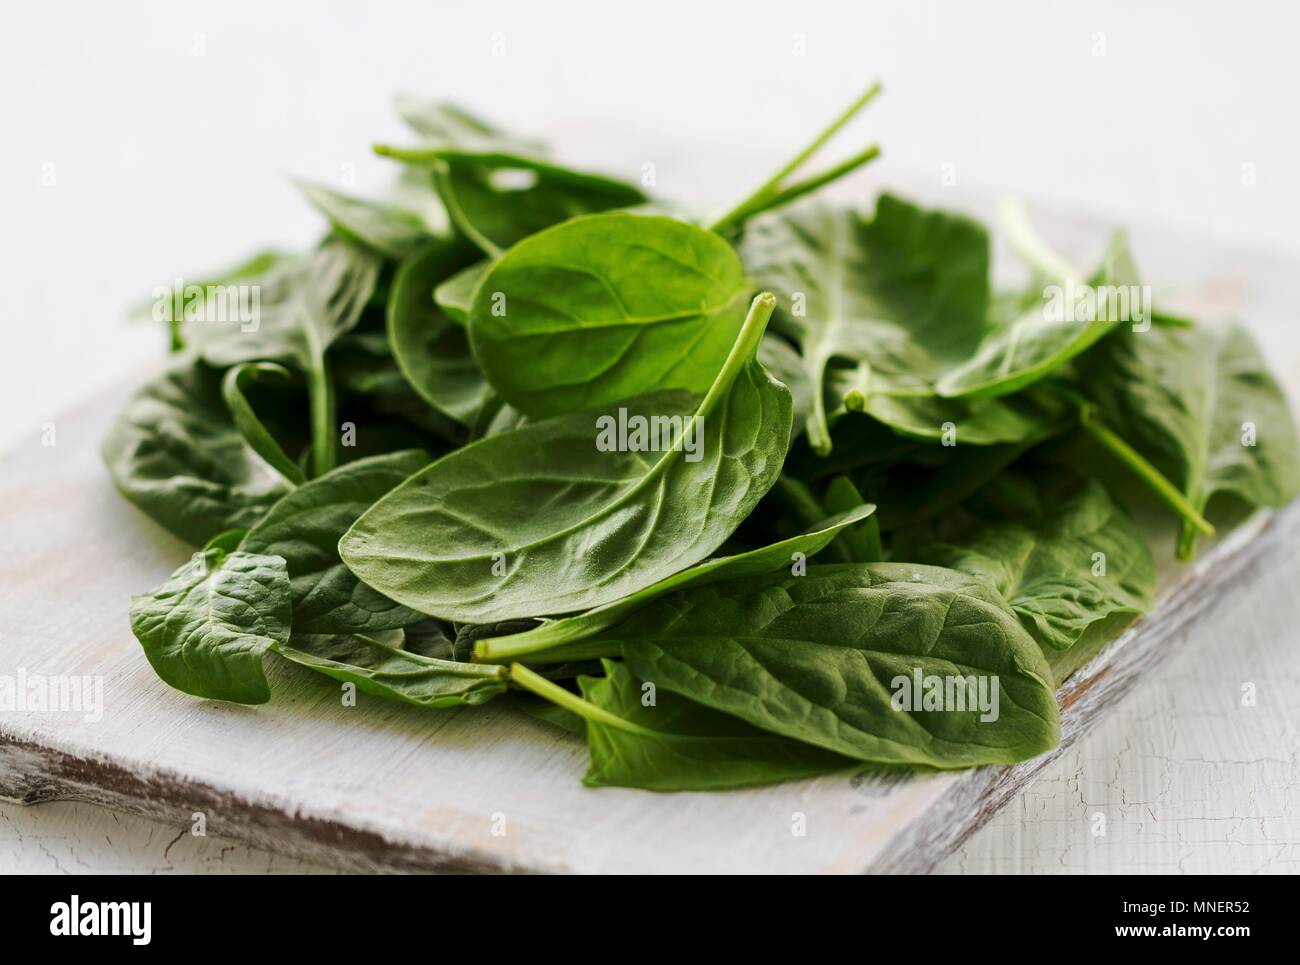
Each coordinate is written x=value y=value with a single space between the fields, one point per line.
x=1186 y=779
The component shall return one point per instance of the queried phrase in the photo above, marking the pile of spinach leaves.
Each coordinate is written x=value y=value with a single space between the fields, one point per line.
x=876 y=471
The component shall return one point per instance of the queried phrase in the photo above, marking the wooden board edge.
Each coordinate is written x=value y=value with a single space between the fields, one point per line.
x=33 y=774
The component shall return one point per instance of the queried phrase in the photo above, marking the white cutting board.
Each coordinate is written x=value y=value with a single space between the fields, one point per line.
x=381 y=785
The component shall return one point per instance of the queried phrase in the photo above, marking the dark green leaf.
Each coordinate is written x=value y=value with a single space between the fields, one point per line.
x=1055 y=546
x=676 y=745
x=206 y=629
x=492 y=532
x=304 y=529
x=385 y=227
x=1201 y=404
x=305 y=306
x=766 y=559
x=258 y=437
x=432 y=350
x=827 y=658
x=176 y=454
x=903 y=295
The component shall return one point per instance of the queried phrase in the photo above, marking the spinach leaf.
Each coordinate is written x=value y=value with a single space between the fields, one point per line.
x=449 y=132
x=305 y=306
x=304 y=529
x=496 y=208
x=384 y=227
x=860 y=542
x=903 y=296
x=499 y=189
x=1025 y=417
x=173 y=310
x=176 y=453
x=785 y=365
x=930 y=481
x=491 y=532
x=828 y=657
x=372 y=390
x=1038 y=540
x=1036 y=342
x=674 y=744
x=1200 y=404
x=755 y=562
x=396 y=674
x=258 y=437
x=455 y=296
x=431 y=350
x=606 y=307
x=227 y=541
x=206 y=629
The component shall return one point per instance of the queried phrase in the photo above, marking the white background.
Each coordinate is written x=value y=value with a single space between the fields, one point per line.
x=168 y=162
x=164 y=161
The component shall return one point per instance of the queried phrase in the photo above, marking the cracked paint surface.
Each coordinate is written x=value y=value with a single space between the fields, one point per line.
x=1188 y=780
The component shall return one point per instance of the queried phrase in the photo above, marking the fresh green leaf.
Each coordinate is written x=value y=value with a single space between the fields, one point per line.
x=384 y=227
x=1055 y=546
x=604 y=308
x=1201 y=405
x=455 y=296
x=491 y=533
x=830 y=657
x=673 y=744
x=785 y=365
x=395 y=674
x=431 y=350
x=305 y=306
x=1039 y=340
x=756 y=562
x=903 y=296
x=175 y=453
x=227 y=541
x=258 y=437
x=304 y=529
x=500 y=189
x=861 y=542
x=496 y=208
x=206 y=629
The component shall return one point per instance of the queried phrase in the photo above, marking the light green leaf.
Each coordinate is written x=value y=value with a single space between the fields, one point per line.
x=604 y=308
x=455 y=296
x=1039 y=340
x=396 y=674
x=385 y=227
